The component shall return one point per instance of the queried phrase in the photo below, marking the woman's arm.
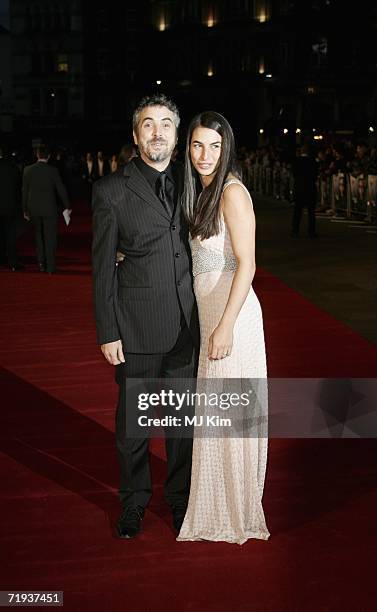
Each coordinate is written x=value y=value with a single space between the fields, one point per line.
x=240 y=221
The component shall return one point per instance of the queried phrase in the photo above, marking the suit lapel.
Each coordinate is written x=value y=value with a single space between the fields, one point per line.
x=139 y=185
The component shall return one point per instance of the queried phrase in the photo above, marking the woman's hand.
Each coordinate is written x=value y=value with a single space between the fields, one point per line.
x=220 y=342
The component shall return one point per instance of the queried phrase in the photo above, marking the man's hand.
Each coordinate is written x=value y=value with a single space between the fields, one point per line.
x=120 y=257
x=26 y=216
x=113 y=352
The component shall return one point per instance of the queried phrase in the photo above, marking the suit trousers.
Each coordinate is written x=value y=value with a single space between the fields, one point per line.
x=302 y=202
x=133 y=453
x=46 y=238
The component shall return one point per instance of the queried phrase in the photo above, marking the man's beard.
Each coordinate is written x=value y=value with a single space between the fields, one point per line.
x=156 y=156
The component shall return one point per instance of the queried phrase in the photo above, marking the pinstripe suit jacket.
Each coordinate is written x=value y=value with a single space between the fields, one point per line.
x=139 y=300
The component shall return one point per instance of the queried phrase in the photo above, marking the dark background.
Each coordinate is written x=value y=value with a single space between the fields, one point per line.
x=78 y=68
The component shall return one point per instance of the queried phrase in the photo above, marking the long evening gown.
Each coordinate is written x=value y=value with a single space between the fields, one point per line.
x=228 y=473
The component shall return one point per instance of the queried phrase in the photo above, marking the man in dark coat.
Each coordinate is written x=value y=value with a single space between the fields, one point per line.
x=10 y=211
x=44 y=196
x=145 y=308
x=305 y=172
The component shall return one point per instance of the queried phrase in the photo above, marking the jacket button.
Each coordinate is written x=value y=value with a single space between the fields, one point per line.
x=179 y=283
x=177 y=254
x=173 y=227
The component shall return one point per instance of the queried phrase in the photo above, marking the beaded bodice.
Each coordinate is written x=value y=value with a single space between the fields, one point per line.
x=214 y=253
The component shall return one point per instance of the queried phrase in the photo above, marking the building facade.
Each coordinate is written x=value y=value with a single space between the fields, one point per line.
x=6 y=94
x=273 y=67
x=47 y=65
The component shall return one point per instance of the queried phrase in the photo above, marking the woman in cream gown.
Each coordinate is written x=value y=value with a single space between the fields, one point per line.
x=228 y=472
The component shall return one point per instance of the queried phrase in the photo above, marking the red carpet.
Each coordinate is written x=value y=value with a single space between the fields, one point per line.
x=59 y=470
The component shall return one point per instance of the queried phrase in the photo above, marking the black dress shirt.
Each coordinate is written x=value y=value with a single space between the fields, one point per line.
x=153 y=177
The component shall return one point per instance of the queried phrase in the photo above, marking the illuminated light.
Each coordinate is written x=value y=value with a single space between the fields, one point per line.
x=162 y=24
x=261 y=68
x=298 y=131
x=210 y=70
x=371 y=129
x=285 y=131
x=310 y=89
x=62 y=62
x=52 y=95
x=261 y=131
x=269 y=76
x=261 y=10
x=158 y=82
x=211 y=21
x=314 y=130
x=318 y=137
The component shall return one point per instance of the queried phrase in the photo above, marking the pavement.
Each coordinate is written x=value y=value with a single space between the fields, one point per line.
x=337 y=271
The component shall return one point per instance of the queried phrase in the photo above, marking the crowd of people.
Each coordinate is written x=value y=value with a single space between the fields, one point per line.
x=269 y=170
x=38 y=188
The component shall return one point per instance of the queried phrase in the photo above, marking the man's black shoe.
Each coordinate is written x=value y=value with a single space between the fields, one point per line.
x=179 y=511
x=129 y=522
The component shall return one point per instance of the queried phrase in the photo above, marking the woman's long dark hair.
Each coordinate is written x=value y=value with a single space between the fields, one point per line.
x=202 y=208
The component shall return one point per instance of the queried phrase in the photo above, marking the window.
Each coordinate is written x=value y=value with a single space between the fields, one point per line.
x=35 y=102
x=62 y=63
x=209 y=14
x=62 y=103
x=284 y=54
x=262 y=10
x=102 y=19
x=35 y=62
x=36 y=19
x=49 y=64
x=104 y=63
x=104 y=107
x=50 y=100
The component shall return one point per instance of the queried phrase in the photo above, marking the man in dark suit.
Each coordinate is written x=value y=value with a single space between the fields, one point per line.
x=145 y=308
x=305 y=173
x=43 y=195
x=10 y=211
